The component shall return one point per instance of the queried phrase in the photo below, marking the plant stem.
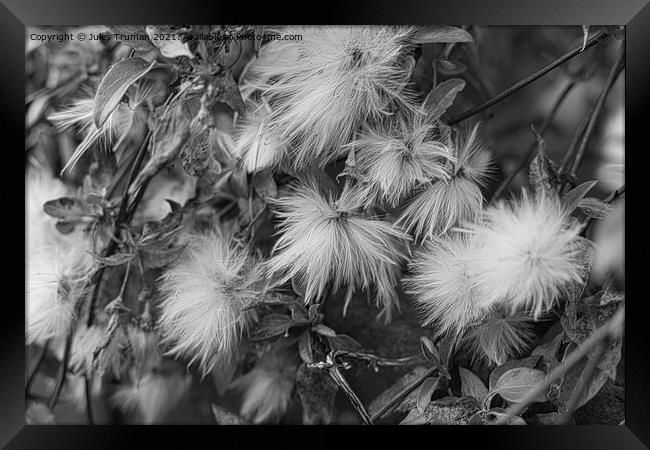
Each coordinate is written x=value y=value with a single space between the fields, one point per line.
x=63 y=368
x=39 y=361
x=529 y=79
x=89 y=403
x=123 y=217
x=611 y=330
x=402 y=395
x=341 y=382
x=576 y=155
x=532 y=151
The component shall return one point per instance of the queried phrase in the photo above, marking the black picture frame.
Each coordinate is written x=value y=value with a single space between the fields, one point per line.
x=634 y=14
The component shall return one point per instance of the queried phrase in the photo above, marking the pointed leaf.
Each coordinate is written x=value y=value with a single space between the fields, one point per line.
x=168 y=42
x=573 y=198
x=442 y=97
x=433 y=34
x=424 y=393
x=514 y=384
x=471 y=385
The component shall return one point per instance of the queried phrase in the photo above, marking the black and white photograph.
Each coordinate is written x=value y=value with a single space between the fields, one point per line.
x=325 y=225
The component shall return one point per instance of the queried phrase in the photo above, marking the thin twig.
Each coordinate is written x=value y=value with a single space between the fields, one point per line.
x=63 y=368
x=342 y=383
x=39 y=361
x=529 y=79
x=89 y=403
x=576 y=158
x=532 y=150
x=611 y=330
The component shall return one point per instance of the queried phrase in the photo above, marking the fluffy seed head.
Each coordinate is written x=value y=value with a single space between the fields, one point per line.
x=450 y=202
x=501 y=336
x=41 y=187
x=268 y=387
x=394 y=157
x=204 y=294
x=152 y=396
x=528 y=254
x=442 y=285
x=56 y=276
x=321 y=243
x=323 y=87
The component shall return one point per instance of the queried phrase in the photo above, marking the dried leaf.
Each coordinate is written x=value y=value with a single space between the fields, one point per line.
x=68 y=208
x=542 y=173
x=115 y=84
x=272 y=325
x=442 y=97
x=446 y=411
x=572 y=378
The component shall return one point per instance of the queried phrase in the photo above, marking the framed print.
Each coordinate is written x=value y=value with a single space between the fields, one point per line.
x=380 y=219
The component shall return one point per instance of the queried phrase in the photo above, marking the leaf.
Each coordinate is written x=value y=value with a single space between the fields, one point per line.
x=168 y=42
x=514 y=384
x=529 y=362
x=224 y=417
x=594 y=207
x=317 y=393
x=227 y=91
x=442 y=97
x=430 y=351
x=69 y=208
x=272 y=325
x=542 y=173
x=552 y=418
x=169 y=138
x=402 y=382
x=343 y=342
x=432 y=34
x=549 y=352
x=116 y=259
x=449 y=68
x=264 y=184
x=115 y=84
x=304 y=347
x=155 y=258
x=471 y=385
x=258 y=33
x=583 y=317
x=572 y=199
x=572 y=378
x=424 y=393
x=324 y=330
